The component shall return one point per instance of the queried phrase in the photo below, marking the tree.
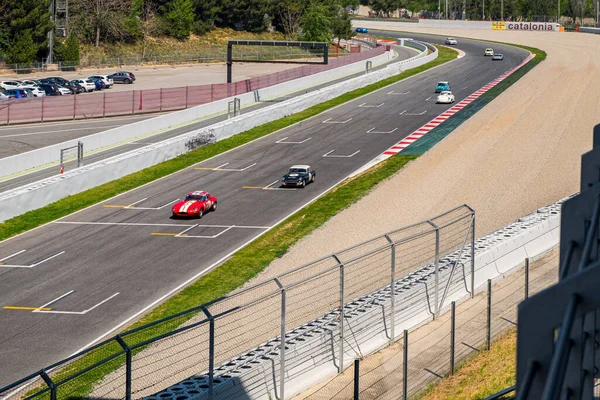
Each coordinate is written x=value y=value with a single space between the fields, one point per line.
x=289 y=13
x=18 y=16
x=100 y=19
x=316 y=23
x=180 y=18
x=385 y=7
x=23 y=49
x=341 y=26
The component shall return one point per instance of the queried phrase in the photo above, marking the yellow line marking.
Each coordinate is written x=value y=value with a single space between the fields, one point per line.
x=110 y=206
x=208 y=169
x=27 y=308
x=253 y=187
x=167 y=234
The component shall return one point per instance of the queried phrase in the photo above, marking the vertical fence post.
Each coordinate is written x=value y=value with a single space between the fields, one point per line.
x=452 y=337
x=489 y=314
x=104 y=105
x=48 y=381
x=527 y=278
x=282 y=342
x=74 y=105
x=392 y=289
x=473 y=256
x=405 y=367
x=186 y=96
x=341 y=349
x=128 y=366
x=212 y=90
x=8 y=114
x=43 y=102
x=211 y=351
x=160 y=100
x=356 y=378
x=133 y=102
x=436 y=310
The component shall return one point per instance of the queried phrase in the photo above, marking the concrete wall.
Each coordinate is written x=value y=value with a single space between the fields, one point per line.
x=33 y=196
x=49 y=155
x=457 y=24
x=589 y=30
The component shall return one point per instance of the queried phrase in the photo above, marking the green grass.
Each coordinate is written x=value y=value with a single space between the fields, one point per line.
x=243 y=265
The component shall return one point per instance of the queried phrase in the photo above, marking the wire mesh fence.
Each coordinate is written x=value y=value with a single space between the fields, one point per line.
x=105 y=104
x=435 y=350
x=320 y=315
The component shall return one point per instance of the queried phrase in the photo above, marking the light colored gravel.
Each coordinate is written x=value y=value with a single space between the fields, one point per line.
x=519 y=153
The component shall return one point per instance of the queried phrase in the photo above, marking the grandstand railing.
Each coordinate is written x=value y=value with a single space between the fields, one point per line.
x=145 y=360
x=98 y=105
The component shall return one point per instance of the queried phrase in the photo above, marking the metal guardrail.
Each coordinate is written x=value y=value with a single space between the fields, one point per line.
x=150 y=358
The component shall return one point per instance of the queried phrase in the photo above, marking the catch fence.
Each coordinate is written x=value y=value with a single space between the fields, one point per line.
x=105 y=104
x=265 y=338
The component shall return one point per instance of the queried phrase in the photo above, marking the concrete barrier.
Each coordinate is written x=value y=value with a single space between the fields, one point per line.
x=38 y=194
x=49 y=155
x=589 y=30
x=452 y=24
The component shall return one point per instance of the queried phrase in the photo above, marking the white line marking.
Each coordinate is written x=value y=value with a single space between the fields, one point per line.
x=220 y=233
x=270 y=184
x=169 y=203
x=398 y=93
x=78 y=312
x=281 y=141
x=233 y=169
x=47 y=259
x=221 y=166
x=62 y=130
x=251 y=165
x=328 y=154
x=427 y=99
x=365 y=105
x=102 y=302
x=115 y=223
x=466 y=87
x=55 y=300
x=329 y=121
x=373 y=131
x=137 y=202
x=190 y=228
x=12 y=255
x=405 y=113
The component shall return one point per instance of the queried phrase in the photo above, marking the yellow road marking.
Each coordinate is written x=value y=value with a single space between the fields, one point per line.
x=27 y=308
x=110 y=206
x=167 y=234
x=208 y=169
x=253 y=187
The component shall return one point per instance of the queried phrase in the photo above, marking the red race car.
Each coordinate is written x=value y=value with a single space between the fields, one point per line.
x=194 y=205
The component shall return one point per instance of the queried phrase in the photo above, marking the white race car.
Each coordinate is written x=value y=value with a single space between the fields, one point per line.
x=489 y=52
x=450 y=41
x=446 y=97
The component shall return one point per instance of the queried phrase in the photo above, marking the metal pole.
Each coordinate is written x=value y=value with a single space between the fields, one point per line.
x=74 y=105
x=489 y=314
x=473 y=256
x=211 y=357
x=229 y=62
x=452 y=337
x=104 y=105
x=128 y=366
x=43 y=101
x=356 y=378
x=392 y=291
x=437 y=273
x=282 y=355
x=132 y=102
x=186 y=96
x=405 y=367
x=341 y=318
x=160 y=100
x=527 y=278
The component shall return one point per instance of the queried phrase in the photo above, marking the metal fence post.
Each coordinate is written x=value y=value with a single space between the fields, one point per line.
x=211 y=352
x=405 y=367
x=104 y=104
x=74 y=105
x=160 y=101
x=473 y=256
x=341 y=349
x=79 y=154
x=489 y=314
x=48 y=381
x=43 y=102
x=527 y=278
x=436 y=311
x=186 y=96
x=392 y=290
x=356 y=378
x=133 y=102
x=452 y=336
x=8 y=114
x=128 y=366
x=282 y=341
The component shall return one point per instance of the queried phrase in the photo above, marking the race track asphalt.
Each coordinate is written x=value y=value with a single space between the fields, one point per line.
x=98 y=267
x=22 y=138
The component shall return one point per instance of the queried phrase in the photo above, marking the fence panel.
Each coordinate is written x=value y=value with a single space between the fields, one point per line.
x=89 y=106
x=57 y=108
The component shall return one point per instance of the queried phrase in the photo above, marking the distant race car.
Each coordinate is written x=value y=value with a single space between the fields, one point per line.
x=489 y=52
x=498 y=57
x=362 y=30
x=450 y=41
x=442 y=86
x=446 y=97
x=299 y=175
x=196 y=204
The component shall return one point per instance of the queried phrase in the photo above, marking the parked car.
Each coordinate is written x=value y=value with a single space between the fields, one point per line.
x=74 y=87
x=58 y=80
x=362 y=30
x=18 y=93
x=50 y=89
x=30 y=83
x=35 y=91
x=442 y=86
x=497 y=57
x=104 y=78
x=4 y=96
x=122 y=77
x=86 y=84
x=450 y=41
x=10 y=84
x=64 y=90
x=299 y=175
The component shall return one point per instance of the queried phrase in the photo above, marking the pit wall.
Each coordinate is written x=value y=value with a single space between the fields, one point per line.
x=457 y=24
x=47 y=156
x=38 y=194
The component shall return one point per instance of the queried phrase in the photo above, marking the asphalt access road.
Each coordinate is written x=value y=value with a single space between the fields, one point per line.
x=22 y=138
x=94 y=269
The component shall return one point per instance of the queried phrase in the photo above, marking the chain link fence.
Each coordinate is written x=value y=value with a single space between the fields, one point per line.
x=105 y=104
x=427 y=354
x=261 y=339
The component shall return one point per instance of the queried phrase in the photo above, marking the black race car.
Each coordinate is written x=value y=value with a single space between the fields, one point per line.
x=299 y=175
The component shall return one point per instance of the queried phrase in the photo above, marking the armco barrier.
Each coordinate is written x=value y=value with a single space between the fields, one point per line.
x=49 y=154
x=32 y=196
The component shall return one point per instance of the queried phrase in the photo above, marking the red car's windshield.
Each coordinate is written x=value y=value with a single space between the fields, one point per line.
x=195 y=197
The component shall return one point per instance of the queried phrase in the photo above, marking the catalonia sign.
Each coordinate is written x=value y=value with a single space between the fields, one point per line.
x=523 y=26
x=498 y=26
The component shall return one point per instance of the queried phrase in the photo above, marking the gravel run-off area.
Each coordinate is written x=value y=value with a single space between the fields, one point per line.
x=520 y=152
